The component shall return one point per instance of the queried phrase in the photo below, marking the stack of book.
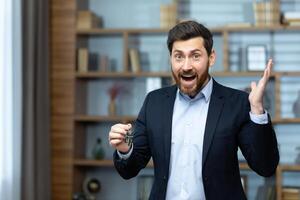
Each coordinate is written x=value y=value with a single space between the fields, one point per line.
x=88 y=61
x=87 y=19
x=266 y=13
x=82 y=60
x=168 y=15
x=291 y=193
x=134 y=59
x=291 y=18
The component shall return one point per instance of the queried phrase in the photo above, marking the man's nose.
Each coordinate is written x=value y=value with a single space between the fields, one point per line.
x=187 y=65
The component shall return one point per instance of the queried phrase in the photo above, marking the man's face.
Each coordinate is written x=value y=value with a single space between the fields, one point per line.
x=190 y=63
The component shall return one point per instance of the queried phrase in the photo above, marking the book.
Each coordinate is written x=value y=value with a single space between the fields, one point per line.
x=103 y=63
x=168 y=15
x=259 y=13
x=134 y=60
x=266 y=13
x=272 y=13
x=87 y=19
x=82 y=59
x=153 y=83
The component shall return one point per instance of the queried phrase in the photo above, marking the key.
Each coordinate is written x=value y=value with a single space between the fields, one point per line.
x=129 y=137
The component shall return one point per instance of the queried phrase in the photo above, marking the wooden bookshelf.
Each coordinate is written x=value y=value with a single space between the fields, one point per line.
x=68 y=125
x=216 y=30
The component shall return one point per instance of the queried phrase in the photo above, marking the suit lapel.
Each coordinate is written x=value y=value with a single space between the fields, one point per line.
x=214 y=111
x=167 y=108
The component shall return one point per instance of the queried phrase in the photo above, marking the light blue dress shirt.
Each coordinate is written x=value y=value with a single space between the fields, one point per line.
x=188 y=126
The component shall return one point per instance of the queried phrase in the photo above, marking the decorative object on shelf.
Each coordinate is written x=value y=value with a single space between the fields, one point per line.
x=256 y=57
x=91 y=187
x=297 y=160
x=113 y=93
x=168 y=15
x=98 y=150
x=296 y=106
x=144 y=186
x=291 y=18
x=79 y=196
x=87 y=20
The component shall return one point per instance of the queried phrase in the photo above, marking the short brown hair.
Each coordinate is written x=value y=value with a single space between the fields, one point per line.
x=187 y=30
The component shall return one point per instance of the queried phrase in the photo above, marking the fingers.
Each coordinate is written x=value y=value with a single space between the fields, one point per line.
x=253 y=85
x=117 y=133
x=268 y=69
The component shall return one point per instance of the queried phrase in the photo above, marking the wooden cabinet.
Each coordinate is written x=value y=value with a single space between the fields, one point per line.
x=80 y=98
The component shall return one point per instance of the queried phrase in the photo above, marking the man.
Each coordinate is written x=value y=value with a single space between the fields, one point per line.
x=192 y=130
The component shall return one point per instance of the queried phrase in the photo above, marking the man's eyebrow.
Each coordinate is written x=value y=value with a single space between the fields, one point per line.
x=195 y=50
x=192 y=51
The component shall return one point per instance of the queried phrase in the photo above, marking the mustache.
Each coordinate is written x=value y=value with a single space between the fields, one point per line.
x=187 y=73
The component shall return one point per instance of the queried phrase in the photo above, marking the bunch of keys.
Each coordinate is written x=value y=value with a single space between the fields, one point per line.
x=129 y=137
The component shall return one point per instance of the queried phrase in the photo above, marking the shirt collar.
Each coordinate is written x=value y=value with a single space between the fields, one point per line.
x=205 y=92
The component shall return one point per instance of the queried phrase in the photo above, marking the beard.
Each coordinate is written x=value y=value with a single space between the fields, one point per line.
x=197 y=81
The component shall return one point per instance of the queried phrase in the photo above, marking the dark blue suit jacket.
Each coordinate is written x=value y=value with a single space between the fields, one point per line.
x=228 y=127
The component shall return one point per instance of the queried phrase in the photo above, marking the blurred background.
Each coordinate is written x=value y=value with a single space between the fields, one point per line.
x=71 y=69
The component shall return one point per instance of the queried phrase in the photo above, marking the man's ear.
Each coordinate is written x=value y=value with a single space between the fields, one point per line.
x=212 y=58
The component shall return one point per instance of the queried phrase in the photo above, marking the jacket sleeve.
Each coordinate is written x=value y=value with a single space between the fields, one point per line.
x=258 y=144
x=141 y=152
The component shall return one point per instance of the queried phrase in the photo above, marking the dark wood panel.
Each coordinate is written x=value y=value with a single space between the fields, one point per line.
x=62 y=63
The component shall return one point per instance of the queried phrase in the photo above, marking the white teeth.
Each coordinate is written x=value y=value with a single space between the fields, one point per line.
x=188 y=76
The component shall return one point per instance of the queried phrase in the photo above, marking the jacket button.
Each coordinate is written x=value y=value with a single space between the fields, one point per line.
x=164 y=177
x=205 y=178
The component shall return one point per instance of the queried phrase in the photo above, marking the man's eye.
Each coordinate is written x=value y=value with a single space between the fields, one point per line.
x=178 y=57
x=196 y=56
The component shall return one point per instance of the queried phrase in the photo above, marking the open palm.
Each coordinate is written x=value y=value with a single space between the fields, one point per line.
x=257 y=90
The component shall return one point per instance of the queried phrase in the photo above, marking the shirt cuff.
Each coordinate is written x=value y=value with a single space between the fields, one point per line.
x=126 y=155
x=259 y=119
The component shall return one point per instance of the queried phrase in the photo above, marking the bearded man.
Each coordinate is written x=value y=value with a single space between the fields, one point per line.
x=192 y=130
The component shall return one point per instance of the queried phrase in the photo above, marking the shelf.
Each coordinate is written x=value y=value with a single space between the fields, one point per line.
x=109 y=163
x=87 y=75
x=116 y=31
x=244 y=166
x=95 y=75
x=101 y=31
x=90 y=118
x=286 y=121
x=290 y=167
x=99 y=163
x=260 y=28
x=93 y=163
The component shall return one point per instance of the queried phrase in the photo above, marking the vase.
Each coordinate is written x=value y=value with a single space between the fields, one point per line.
x=296 y=106
x=98 y=151
x=112 y=107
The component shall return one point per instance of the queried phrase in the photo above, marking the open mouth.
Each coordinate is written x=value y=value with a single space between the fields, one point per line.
x=188 y=77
